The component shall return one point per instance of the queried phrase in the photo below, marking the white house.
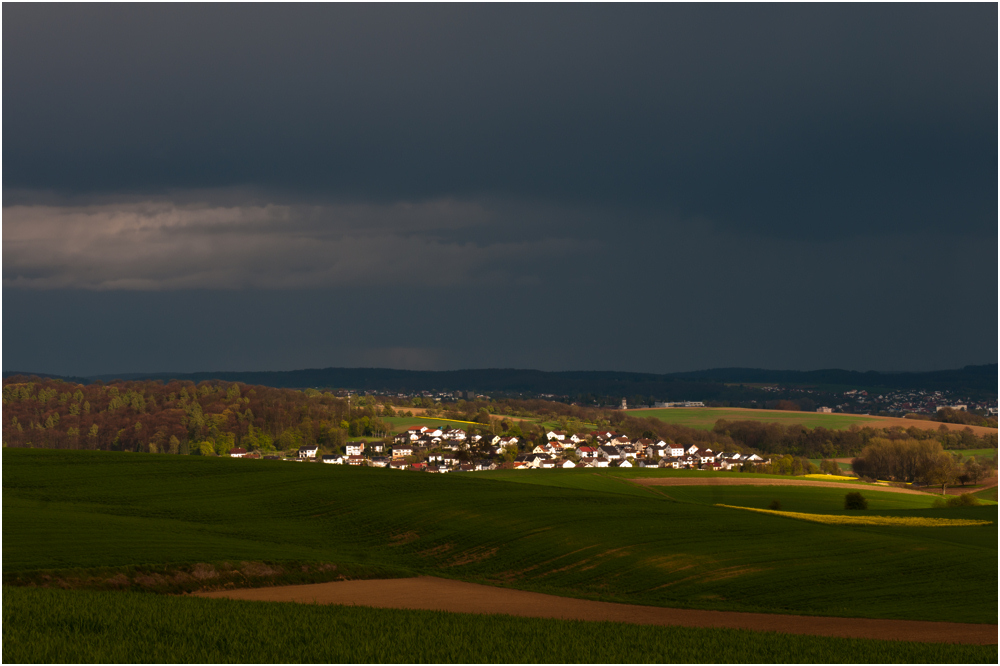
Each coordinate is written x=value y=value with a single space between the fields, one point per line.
x=237 y=452
x=333 y=460
x=308 y=451
x=354 y=448
x=555 y=434
x=609 y=452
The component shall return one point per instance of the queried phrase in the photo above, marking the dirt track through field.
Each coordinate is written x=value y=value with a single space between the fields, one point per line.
x=724 y=481
x=428 y=593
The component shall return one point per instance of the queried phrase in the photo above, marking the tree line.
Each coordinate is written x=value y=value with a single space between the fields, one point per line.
x=797 y=440
x=176 y=417
x=912 y=460
x=213 y=416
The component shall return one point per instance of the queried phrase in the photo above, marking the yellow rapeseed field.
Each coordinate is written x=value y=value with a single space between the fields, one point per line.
x=890 y=521
x=829 y=477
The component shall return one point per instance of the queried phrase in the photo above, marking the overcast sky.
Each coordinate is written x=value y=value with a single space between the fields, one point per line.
x=646 y=187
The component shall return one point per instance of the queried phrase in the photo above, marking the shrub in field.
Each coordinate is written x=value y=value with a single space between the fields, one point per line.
x=965 y=499
x=775 y=505
x=855 y=500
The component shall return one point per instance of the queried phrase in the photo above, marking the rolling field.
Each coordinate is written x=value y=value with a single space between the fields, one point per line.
x=559 y=532
x=704 y=418
x=845 y=466
x=126 y=627
x=401 y=423
x=796 y=498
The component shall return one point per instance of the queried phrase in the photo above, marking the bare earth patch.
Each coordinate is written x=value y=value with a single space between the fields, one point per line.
x=428 y=593
x=725 y=481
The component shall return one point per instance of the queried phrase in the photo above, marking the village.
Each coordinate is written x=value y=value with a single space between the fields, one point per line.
x=438 y=450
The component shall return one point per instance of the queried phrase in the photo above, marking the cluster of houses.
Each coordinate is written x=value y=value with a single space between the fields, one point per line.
x=437 y=451
x=608 y=449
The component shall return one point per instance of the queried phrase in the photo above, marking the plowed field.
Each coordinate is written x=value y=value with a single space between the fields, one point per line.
x=428 y=593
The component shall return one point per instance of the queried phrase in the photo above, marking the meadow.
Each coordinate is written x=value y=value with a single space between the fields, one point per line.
x=45 y=626
x=704 y=418
x=563 y=532
x=977 y=453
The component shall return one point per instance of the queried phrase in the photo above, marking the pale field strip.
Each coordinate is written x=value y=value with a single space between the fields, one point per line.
x=889 y=521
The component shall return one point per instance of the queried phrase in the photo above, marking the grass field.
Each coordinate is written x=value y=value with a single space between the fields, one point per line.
x=401 y=423
x=990 y=494
x=845 y=466
x=562 y=531
x=45 y=626
x=796 y=498
x=704 y=418
x=978 y=453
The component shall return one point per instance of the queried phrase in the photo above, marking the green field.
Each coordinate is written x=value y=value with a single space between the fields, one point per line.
x=558 y=531
x=704 y=418
x=978 y=453
x=401 y=423
x=46 y=626
x=844 y=466
x=798 y=498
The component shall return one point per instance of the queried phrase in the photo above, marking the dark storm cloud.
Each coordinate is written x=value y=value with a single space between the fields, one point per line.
x=638 y=187
x=793 y=120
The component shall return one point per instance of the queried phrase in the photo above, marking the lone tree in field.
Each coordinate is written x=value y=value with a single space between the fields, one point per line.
x=855 y=500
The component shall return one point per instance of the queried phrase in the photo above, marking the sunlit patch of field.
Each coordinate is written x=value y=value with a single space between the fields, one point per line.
x=806 y=499
x=881 y=521
x=829 y=477
x=704 y=418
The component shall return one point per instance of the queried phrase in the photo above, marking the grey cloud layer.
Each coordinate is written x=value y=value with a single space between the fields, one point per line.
x=162 y=245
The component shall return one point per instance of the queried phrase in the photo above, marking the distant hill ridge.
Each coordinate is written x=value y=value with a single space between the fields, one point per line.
x=702 y=384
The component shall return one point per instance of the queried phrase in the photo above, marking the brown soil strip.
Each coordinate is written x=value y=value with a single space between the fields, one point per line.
x=951 y=490
x=427 y=593
x=961 y=490
x=724 y=481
